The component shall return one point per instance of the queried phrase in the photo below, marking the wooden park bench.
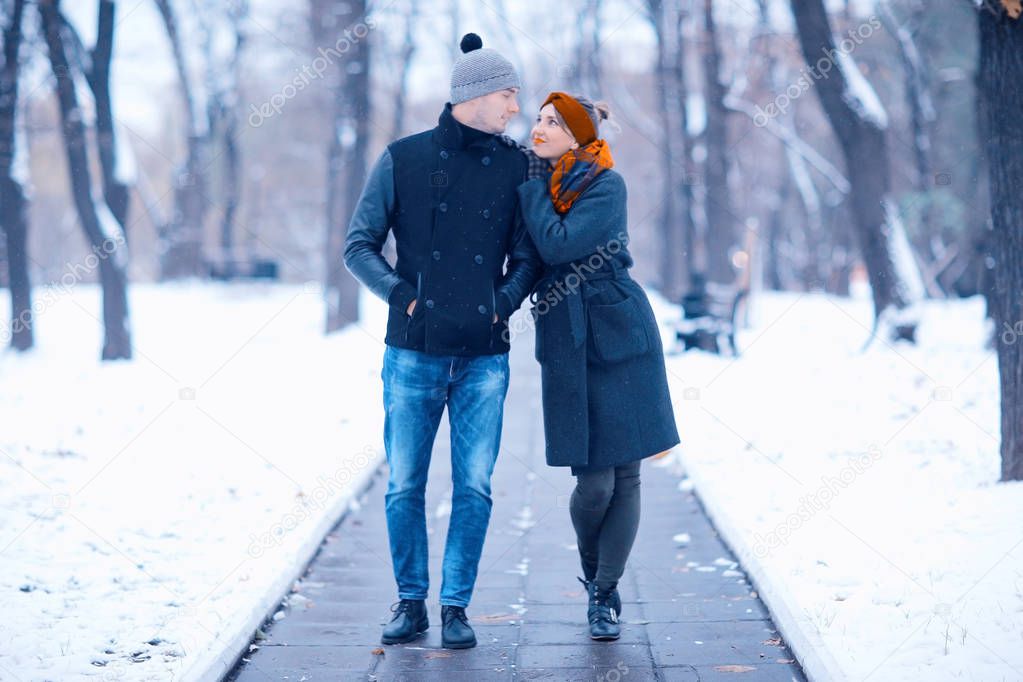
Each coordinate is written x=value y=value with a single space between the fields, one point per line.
x=256 y=268
x=709 y=317
x=710 y=311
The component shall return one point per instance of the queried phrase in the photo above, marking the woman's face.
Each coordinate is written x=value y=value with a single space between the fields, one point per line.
x=550 y=140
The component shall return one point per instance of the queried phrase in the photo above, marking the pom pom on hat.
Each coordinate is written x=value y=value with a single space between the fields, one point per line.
x=470 y=42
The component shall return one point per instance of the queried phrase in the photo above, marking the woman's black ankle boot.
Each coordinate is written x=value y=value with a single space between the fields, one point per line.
x=616 y=599
x=603 y=616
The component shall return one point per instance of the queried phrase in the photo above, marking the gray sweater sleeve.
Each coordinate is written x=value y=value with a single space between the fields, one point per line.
x=367 y=233
x=596 y=218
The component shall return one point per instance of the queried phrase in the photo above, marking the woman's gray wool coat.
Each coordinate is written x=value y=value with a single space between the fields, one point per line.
x=605 y=389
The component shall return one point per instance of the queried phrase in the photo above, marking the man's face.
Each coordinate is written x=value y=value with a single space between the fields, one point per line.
x=493 y=111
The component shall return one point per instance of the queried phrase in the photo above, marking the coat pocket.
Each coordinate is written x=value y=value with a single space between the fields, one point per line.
x=618 y=330
x=417 y=312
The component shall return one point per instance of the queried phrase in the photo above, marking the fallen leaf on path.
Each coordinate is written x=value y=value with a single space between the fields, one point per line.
x=734 y=668
x=378 y=652
x=495 y=617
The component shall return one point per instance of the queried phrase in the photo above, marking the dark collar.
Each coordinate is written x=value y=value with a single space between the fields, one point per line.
x=451 y=134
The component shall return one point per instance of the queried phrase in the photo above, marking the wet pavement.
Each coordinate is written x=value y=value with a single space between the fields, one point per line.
x=688 y=612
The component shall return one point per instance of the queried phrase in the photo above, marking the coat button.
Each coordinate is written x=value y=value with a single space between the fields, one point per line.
x=482 y=309
x=442 y=207
x=436 y=255
x=486 y=213
x=444 y=154
x=429 y=303
x=478 y=258
x=485 y=160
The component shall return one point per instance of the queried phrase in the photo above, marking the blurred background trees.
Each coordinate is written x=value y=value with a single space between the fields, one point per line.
x=838 y=146
x=204 y=182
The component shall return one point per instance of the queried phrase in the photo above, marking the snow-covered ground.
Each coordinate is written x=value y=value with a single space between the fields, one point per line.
x=149 y=508
x=865 y=485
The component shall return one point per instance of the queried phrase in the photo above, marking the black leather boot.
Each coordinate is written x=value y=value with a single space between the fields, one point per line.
x=616 y=599
x=456 y=632
x=602 y=615
x=410 y=620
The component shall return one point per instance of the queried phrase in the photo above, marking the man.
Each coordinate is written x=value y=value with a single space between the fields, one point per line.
x=449 y=196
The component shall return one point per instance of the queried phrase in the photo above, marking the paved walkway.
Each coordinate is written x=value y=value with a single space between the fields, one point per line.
x=688 y=611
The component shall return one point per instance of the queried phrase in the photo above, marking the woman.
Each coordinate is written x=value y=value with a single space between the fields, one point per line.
x=606 y=404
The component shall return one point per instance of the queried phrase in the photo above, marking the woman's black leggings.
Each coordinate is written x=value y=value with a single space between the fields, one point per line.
x=605 y=513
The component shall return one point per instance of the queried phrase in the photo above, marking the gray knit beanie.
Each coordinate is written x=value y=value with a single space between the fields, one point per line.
x=480 y=71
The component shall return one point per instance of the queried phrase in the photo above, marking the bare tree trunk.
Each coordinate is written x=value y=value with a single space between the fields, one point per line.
x=922 y=115
x=408 y=50
x=455 y=24
x=224 y=98
x=859 y=122
x=596 y=63
x=232 y=183
x=721 y=228
x=686 y=206
x=918 y=96
x=116 y=183
x=595 y=74
x=671 y=276
x=587 y=75
x=346 y=159
x=103 y=232
x=981 y=239
x=775 y=235
x=181 y=253
x=13 y=204
x=1001 y=83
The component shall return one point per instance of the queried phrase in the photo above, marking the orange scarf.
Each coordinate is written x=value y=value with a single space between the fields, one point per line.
x=575 y=170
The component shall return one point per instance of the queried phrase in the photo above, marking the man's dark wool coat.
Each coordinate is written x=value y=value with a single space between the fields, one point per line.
x=449 y=196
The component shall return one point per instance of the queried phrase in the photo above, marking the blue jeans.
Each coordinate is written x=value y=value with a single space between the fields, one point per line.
x=417 y=386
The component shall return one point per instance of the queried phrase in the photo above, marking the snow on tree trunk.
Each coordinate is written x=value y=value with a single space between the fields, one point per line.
x=1001 y=87
x=813 y=278
x=103 y=231
x=918 y=95
x=13 y=178
x=859 y=122
x=115 y=156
